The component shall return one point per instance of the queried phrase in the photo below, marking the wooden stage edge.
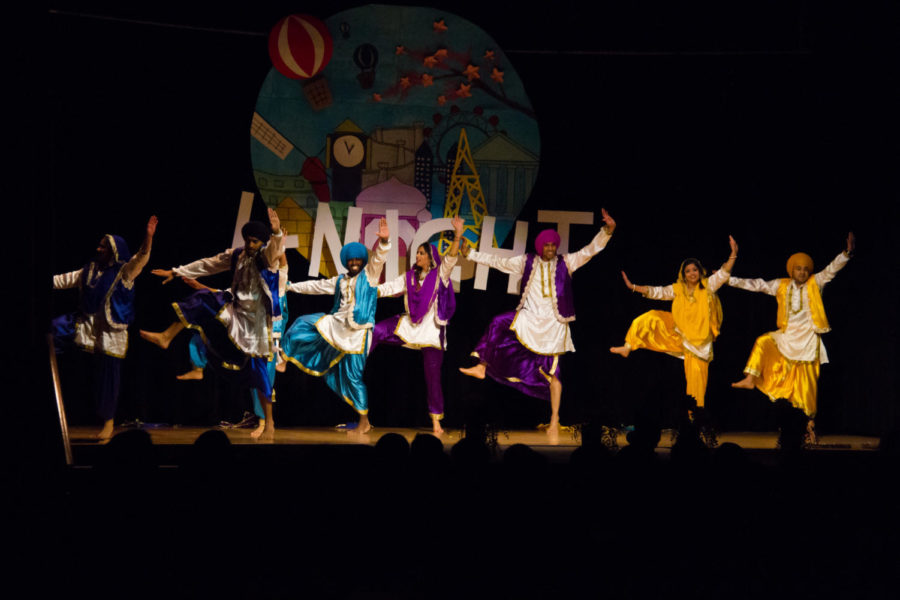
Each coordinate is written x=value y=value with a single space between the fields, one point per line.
x=556 y=448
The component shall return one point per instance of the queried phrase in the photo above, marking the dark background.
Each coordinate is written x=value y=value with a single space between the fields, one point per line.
x=688 y=121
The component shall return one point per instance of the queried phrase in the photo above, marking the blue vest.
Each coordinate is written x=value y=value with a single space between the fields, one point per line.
x=365 y=297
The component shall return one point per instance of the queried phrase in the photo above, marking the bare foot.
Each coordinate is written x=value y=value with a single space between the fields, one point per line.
x=553 y=432
x=477 y=371
x=747 y=383
x=622 y=351
x=281 y=363
x=266 y=431
x=156 y=338
x=436 y=428
x=811 y=430
x=192 y=374
x=106 y=432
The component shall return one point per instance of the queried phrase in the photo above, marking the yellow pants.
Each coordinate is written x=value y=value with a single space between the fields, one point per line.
x=655 y=330
x=778 y=377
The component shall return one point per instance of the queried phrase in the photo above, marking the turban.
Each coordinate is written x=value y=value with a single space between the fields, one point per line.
x=547 y=236
x=801 y=258
x=256 y=229
x=354 y=250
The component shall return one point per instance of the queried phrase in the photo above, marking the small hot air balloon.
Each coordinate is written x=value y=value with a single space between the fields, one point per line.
x=300 y=47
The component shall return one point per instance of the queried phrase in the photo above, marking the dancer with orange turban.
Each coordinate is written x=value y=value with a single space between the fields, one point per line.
x=785 y=363
x=689 y=330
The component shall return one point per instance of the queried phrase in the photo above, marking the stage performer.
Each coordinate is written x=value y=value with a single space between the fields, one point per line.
x=335 y=345
x=521 y=349
x=197 y=349
x=236 y=325
x=690 y=329
x=106 y=308
x=785 y=363
x=430 y=303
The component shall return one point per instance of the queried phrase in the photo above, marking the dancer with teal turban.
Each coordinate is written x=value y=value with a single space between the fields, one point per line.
x=335 y=345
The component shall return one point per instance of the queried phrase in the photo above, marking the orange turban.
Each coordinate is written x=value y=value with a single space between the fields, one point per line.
x=801 y=258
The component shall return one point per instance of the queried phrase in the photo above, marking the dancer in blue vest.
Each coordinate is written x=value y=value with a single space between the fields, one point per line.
x=105 y=310
x=236 y=325
x=335 y=345
x=521 y=349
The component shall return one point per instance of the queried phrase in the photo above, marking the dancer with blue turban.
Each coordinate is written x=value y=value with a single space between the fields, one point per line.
x=521 y=349
x=236 y=325
x=430 y=303
x=335 y=345
x=105 y=310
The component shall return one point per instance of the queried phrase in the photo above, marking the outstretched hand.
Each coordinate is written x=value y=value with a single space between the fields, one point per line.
x=166 y=274
x=458 y=226
x=274 y=221
x=851 y=243
x=151 y=226
x=383 y=231
x=608 y=221
x=628 y=283
x=734 y=246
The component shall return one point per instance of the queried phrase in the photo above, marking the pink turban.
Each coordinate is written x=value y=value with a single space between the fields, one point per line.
x=547 y=236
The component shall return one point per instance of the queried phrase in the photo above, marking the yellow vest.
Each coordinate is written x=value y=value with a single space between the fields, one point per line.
x=697 y=317
x=816 y=308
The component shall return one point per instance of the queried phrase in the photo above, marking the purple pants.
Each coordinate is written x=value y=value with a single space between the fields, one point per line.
x=508 y=362
x=432 y=359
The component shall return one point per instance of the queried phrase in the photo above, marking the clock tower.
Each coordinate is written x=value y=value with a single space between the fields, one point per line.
x=346 y=154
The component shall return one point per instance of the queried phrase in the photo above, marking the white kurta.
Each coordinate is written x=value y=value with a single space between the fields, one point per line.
x=427 y=333
x=338 y=328
x=536 y=325
x=667 y=292
x=245 y=318
x=799 y=341
x=94 y=332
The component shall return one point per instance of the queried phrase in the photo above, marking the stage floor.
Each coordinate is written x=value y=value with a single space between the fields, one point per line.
x=539 y=440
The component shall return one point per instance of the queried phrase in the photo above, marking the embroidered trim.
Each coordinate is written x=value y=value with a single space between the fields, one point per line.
x=528 y=347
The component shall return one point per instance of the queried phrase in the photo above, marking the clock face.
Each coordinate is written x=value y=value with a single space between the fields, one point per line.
x=348 y=150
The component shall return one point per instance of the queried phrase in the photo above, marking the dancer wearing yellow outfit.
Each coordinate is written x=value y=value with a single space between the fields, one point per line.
x=689 y=330
x=785 y=363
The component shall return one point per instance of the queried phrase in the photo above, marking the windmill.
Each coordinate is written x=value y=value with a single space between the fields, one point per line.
x=464 y=181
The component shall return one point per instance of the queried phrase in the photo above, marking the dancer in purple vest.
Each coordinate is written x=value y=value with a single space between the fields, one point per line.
x=430 y=303
x=521 y=349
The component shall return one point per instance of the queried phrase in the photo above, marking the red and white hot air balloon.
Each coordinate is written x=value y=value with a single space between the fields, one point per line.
x=300 y=47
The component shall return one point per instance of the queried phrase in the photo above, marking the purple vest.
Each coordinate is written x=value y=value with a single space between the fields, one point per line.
x=563 y=301
x=419 y=299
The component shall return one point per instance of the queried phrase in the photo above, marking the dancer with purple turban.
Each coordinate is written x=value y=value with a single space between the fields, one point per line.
x=335 y=345
x=430 y=303
x=785 y=363
x=521 y=349
x=236 y=325
x=105 y=310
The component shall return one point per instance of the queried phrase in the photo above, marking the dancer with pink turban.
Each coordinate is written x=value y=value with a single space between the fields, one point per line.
x=785 y=363
x=521 y=349
x=430 y=303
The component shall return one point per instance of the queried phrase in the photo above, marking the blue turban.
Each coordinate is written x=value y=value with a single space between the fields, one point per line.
x=354 y=250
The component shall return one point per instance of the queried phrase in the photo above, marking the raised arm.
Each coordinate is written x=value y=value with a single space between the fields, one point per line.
x=575 y=260
x=511 y=265
x=376 y=263
x=137 y=263
x=839 y=262
x=718 y=279
x=275 y=247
